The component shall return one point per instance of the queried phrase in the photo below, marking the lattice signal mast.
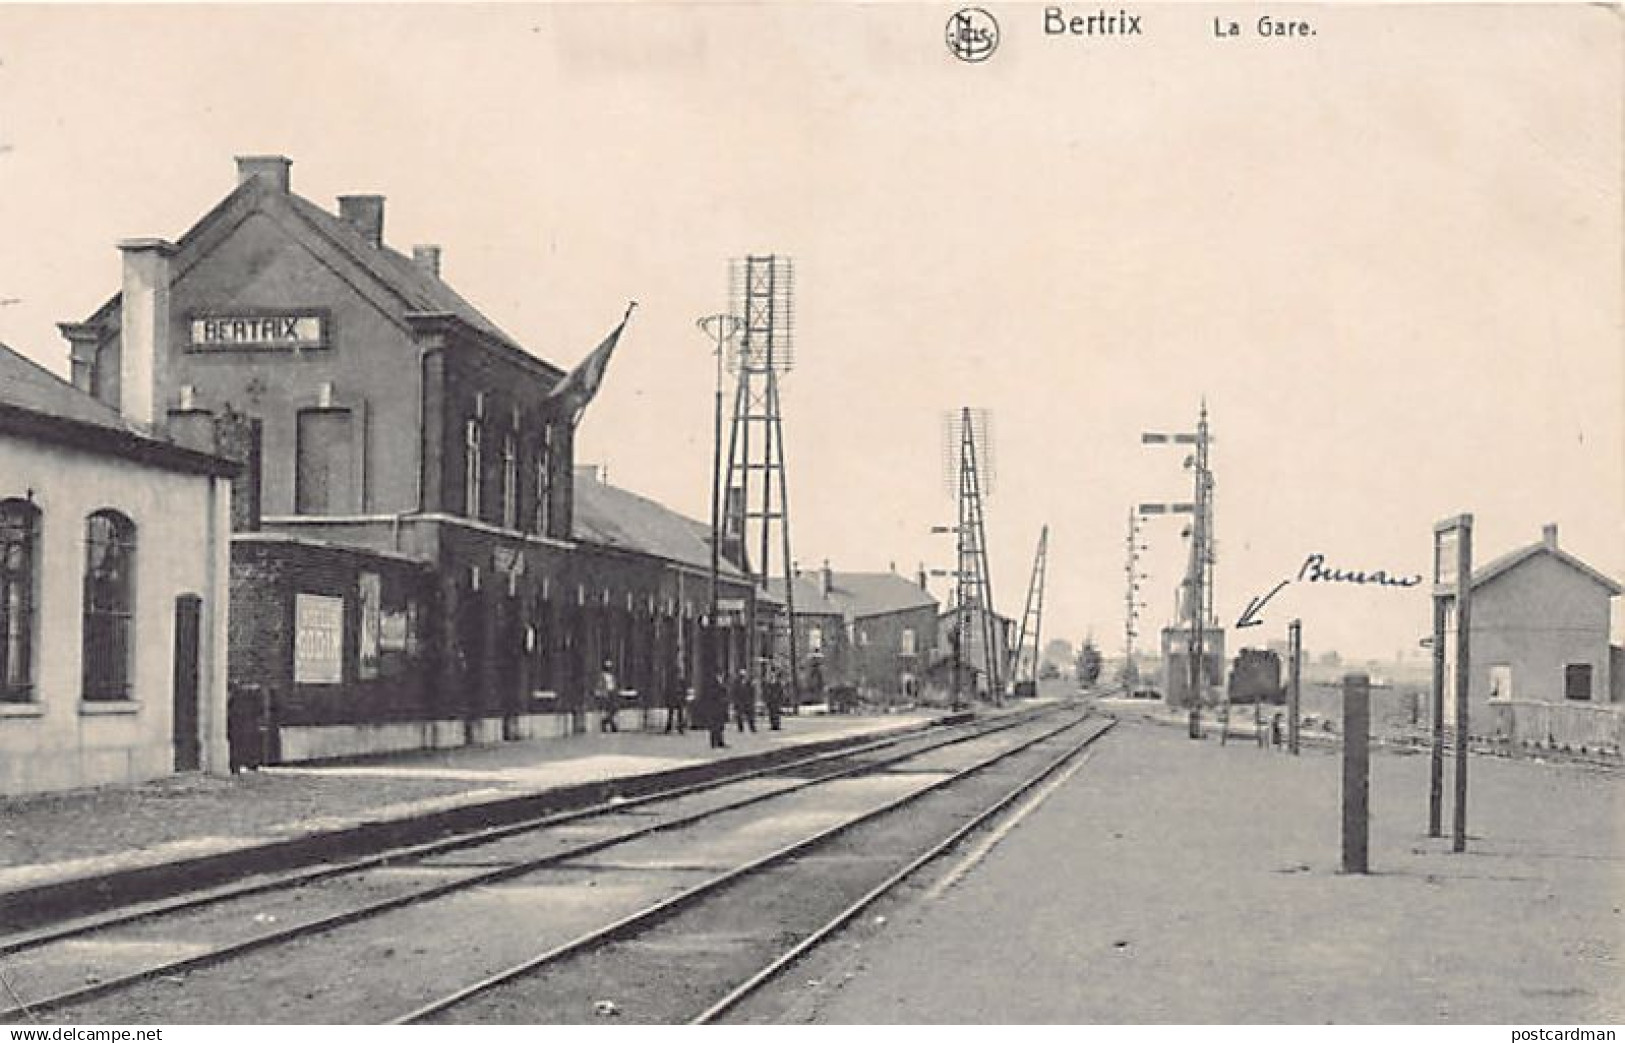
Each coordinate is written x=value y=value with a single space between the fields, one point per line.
x=1032 y=617
x=1131 y=598
x=757 y=502
x=975 y=633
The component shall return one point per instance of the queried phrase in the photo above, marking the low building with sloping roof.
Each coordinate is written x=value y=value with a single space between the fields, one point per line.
x=114 y=556
x=1540 y=634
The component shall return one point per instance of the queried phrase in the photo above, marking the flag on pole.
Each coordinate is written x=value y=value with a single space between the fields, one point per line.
x=576 y=390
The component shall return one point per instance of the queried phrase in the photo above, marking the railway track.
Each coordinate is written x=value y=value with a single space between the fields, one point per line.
x=69 y=969
x=627 y=956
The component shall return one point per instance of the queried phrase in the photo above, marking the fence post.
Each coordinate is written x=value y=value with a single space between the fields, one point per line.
x=1356 y=772
x=1294 y=683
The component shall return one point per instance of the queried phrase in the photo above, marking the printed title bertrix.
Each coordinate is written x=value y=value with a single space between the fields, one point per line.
x=1101 y=23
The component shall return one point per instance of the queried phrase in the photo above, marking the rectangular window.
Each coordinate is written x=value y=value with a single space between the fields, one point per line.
x=473 y=461
x=908 y=641
x=510 y=483
x=544 y=482
x=324 y=476
x=815 y=640
x=1577 y=681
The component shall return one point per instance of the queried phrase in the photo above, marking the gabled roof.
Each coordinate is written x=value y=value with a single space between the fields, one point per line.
x=616 y=518
x=409 y=287
x=36 y=403
x=881 y=593
x=421 y=291
x=860 y=595
x=809 y=595
x=1507 y=562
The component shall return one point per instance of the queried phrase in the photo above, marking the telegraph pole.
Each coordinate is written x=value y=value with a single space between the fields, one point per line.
x=721 y=329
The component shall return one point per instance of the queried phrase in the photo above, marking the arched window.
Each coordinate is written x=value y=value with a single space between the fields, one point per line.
x=19 y=563
x=109 y=604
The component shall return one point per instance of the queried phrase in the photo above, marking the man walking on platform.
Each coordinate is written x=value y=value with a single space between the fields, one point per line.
x=609 y=697
x=773 y=695
x=743 y=697
x=712 y=708
x=676 y=702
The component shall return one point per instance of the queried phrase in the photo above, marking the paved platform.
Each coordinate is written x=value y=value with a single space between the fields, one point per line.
x=51 y=844
x=1172 y=881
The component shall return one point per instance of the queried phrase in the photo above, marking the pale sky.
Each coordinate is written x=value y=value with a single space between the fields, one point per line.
x=1390 y=255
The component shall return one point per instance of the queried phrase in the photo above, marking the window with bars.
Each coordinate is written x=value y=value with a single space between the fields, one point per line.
x=108 y=604
x=19 y=541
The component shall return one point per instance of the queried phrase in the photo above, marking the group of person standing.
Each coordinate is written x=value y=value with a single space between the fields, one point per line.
x=707 y=706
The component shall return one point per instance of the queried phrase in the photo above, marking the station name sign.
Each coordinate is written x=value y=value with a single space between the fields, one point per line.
x=288 y=332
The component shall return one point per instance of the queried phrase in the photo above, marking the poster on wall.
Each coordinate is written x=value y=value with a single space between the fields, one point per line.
x=318 y=646
x=392 y=631
x=371 y=598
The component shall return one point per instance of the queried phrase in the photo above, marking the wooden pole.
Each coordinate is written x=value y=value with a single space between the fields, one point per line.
x=1464 y=601
x=1294 y=690
x=1356 y=772
x=1436 y=755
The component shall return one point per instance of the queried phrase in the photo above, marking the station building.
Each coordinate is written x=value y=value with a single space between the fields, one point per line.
x=419 y=565
x=114 y=555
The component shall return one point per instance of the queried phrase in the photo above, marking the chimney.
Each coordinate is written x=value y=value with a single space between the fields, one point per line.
x=924 y=584
x=366 y=215
x=274 y=169
x=144 y=327
x=826 y=579
x=427 y=258
x=83 y=339
x=592 y=473
x=1548 y=535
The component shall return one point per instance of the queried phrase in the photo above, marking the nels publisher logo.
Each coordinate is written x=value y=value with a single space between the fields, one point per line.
x=973 y=35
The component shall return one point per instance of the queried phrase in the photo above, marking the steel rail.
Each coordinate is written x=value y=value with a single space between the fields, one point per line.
x=232 y=950
x=753 y=984
x=288 y=880
x=652 y=914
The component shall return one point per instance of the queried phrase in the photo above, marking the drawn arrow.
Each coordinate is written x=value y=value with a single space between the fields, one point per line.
x=1248 y=617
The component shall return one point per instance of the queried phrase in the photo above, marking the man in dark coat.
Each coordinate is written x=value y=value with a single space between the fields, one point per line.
x=712 y=709
x=773 y=695
x=676 y=702
x=743 y=697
